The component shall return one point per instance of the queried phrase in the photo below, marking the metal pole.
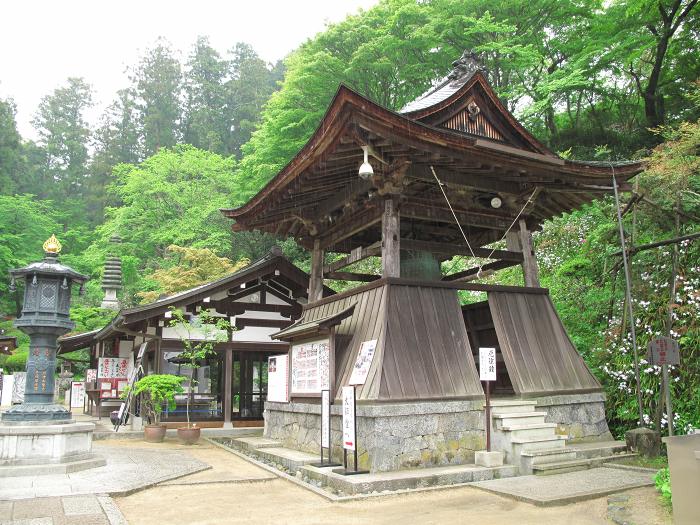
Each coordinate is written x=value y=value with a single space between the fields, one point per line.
x=630 y=308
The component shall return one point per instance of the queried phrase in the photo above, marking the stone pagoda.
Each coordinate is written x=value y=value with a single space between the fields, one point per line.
x=112 y=277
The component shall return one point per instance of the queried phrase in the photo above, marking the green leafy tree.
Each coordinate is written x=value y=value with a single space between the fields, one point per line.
x=157 y=85
x=185 y=268
x=10 y=148
x=205 y=124
x=64 y=134
x=199 y=335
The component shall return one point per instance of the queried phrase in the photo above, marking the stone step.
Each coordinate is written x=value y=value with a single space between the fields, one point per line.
x=560 y=467
x=289 y=458
x=250 y=443
x=596 y=449
x=518 y=446
x=515 y=418
x=512 y=406
x=530 y=431
x=85 y=462
x=549 y=455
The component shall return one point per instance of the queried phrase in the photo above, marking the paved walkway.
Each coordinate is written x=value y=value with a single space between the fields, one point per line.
x=127 y=469
x=558 y=489
x=73 y=510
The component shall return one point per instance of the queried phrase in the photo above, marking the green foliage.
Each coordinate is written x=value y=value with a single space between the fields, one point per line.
x=199 y=335
x=662 y=481
x=157 y=391
x=186 y=268
x=25 y=223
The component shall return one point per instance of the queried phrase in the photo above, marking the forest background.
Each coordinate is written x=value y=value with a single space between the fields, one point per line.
x=591 y=79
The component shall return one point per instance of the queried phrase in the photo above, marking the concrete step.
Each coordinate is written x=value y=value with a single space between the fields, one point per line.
x=518 y=418
x=550 y=455
x=560 y=467
x=518 y=446
x=287 y=457
x=512 y=406
x=250 y=443
x=596 y=449
x=530 y=431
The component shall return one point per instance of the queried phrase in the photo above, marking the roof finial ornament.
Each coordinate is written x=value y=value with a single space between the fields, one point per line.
x=52 y=246
x=466 y=66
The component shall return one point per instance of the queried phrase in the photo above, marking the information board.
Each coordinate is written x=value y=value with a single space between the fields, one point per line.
x=91 y=375
x=487 y=364
x=363 y=362
x=278 y=378
x=77 y=394
x=112 y=368
x=326 y=419
x=663 y=351
x=349 y=417
x=310 y=367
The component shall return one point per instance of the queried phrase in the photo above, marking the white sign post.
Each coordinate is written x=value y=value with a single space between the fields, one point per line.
x=349 y=431
x=77 y=394
x=326 y=430
x=487 y=373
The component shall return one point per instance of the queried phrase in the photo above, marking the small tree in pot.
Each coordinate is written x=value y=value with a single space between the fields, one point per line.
x=199 y=335
x=156 y=391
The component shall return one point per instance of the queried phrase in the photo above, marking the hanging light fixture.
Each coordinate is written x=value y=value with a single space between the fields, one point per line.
x=366 y=170
x=496 y=202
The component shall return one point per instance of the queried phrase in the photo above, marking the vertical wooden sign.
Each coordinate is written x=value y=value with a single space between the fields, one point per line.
x=487 y=373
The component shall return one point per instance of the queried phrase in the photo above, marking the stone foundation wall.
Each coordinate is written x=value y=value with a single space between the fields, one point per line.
x=580 y=416
x=389 y=436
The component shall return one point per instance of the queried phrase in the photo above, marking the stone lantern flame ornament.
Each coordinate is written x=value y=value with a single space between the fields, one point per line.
x=45 y=316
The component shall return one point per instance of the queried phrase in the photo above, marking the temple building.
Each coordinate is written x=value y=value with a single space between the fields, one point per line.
x=259 y=300
x=452 y=174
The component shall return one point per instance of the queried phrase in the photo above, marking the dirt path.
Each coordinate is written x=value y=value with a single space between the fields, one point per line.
x=263 y=501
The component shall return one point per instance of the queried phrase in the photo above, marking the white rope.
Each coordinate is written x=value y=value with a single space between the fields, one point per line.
x=453 y=212
x=527 y=203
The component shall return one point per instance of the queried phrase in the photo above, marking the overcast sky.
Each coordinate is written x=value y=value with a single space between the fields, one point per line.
x=43 y=42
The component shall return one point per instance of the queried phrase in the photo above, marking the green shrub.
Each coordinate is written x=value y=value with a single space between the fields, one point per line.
x=157 y=390
x=662 y=480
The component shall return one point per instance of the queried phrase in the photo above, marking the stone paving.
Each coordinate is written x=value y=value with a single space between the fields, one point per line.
x=560 y=489
x=69 y=510
x=127 y=470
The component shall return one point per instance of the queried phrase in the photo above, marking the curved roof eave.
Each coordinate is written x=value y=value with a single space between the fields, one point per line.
x=346 y=96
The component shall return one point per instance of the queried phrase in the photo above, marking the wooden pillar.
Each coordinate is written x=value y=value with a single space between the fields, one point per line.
x=316 y=277
x=530 y=270
x=391 y=249
x=228 y=373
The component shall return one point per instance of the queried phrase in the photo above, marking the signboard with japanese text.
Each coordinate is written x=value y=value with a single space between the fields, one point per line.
x=77 y=394
x=112 y=376
x=91 y=375
x=112 y=368
x=310 y=367
x=326 y=419
x=349 y=417
x=278 y=378
x=363 y=362
x=663 y=351
x=487 y=364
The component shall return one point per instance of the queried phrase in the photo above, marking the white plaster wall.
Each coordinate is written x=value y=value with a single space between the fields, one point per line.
x=252 y=314
x=256 y=334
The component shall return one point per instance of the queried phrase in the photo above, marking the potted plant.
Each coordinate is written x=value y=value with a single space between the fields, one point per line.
x=156 y=391
x=209 y=331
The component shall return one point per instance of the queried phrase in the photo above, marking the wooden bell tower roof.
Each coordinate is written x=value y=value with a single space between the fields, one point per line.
x=460 y=130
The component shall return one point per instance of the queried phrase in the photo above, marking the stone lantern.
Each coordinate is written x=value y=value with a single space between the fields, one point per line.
x=45 y=317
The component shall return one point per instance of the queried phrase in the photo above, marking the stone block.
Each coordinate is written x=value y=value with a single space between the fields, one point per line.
x=488 y=459
x=643 y=441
